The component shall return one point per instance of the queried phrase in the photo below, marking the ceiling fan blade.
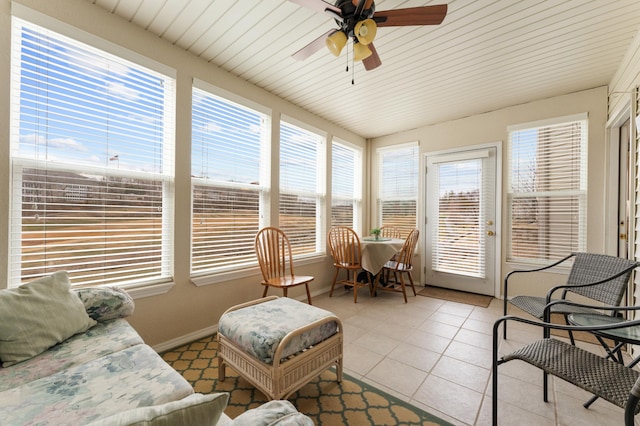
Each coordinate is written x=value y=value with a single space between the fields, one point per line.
x=373 y=61
x=312 y=47
x=318 y=5
x=425 y=15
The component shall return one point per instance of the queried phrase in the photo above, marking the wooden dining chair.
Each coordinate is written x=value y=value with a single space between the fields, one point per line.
x=344 y=245
x=401 y=265
x=389 y=231
x=274 y=255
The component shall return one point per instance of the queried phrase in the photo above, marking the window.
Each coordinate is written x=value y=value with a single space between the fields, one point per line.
x=547 y=190
x=346 y=185
x=398 y=187
x=91 y=162
x=302 y=159
x=229 y=170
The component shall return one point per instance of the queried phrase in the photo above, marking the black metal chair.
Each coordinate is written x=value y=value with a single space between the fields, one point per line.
x=601 y=376
x=599 y=277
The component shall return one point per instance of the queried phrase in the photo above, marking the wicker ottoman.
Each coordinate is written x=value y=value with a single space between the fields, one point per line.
x=279 y=344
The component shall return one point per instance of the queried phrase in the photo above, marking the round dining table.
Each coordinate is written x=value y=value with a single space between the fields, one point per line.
x=377 y=252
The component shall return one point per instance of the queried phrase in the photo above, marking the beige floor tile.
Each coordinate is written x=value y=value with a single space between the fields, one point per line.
x=397 y=375
x=417 y=357
x=375 y=342
x=437 y=355
x=473 y=338
x=359 y=359
x=439 y=328
x=428 y=341
x=462 y=373
x=457 y=401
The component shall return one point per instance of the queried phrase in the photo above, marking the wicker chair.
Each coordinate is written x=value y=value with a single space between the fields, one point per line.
x=344 y=245
x=600 y=376
x=274 y=254
x=598 y=277
x=402 y=264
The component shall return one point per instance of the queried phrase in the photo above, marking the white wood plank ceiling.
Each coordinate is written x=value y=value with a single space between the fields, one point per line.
x=487 y=54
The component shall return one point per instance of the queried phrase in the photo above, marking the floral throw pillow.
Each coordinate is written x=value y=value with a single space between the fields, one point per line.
x=106 y=303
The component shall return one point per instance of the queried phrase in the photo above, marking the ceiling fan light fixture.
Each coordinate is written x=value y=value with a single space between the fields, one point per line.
x=360 y=51
x=336 y=41
x=365 y=31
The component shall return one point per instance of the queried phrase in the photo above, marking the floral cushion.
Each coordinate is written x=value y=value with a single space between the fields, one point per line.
x=259 y=329
x=196 y=409
x=106 y=303
x=272 y=413
x=131 y=378
x=100 y=340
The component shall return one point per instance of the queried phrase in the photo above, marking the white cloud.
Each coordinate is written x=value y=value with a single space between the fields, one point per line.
x=120 y=89
x=67 y=143
x=57 y=143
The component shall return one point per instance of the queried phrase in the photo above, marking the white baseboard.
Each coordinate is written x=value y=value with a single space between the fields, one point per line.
x=187 y=338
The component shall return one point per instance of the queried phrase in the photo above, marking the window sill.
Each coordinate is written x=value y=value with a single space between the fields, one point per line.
x=218 y=277
x=522 y=266
x=148 y=290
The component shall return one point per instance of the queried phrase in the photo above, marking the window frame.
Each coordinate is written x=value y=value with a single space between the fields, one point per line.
x=319 y=194
x=356 y=196
x=160 y=283
x=241 y=269
x=380 y=153
x=581 y=194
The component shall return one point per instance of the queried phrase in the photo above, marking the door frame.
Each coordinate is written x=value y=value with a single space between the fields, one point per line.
x=613 y=126
x=497 y=287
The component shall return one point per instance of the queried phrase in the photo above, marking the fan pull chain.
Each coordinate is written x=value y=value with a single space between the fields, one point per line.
x=347 y=69
x=353 y=71
x=353 y=66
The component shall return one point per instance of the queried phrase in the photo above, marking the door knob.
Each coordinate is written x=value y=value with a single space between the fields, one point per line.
x=490 y=233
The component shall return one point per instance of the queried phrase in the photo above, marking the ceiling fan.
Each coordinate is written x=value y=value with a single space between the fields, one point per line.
x=359 y=21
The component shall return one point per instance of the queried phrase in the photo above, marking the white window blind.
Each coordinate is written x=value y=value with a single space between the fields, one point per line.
x=229 y=182
x=346 y=184
x=459 y=243
x=547 y=190
x=302 y=188
x=92 y=163
x=398 y=187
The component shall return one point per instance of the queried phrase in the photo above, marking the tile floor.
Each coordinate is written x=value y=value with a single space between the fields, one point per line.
x=436 y=355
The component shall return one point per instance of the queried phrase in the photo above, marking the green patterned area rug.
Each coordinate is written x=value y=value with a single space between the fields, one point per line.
x=327 y=402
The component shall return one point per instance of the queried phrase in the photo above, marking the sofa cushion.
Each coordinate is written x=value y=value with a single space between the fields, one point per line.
x=127 y=379
x=106 y=303
x=196 y=409
x=102 y=339
x=272 y=413
x=37 y=315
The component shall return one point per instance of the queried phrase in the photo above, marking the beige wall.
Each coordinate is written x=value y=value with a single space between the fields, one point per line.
x=186 y=309
x=491 y=127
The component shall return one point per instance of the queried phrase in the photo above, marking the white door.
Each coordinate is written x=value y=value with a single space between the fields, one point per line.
x=460 y=239
x=623 y=191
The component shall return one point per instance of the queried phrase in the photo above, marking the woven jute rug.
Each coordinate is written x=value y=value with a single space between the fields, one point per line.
x=456 y=296
x=327 y=402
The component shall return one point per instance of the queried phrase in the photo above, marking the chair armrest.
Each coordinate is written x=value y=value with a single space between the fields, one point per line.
x=518 y=271
x=566 y=327
x=570 y=286
x=547 y=309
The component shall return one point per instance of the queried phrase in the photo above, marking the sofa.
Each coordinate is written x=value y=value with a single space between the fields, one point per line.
x=69 y=357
